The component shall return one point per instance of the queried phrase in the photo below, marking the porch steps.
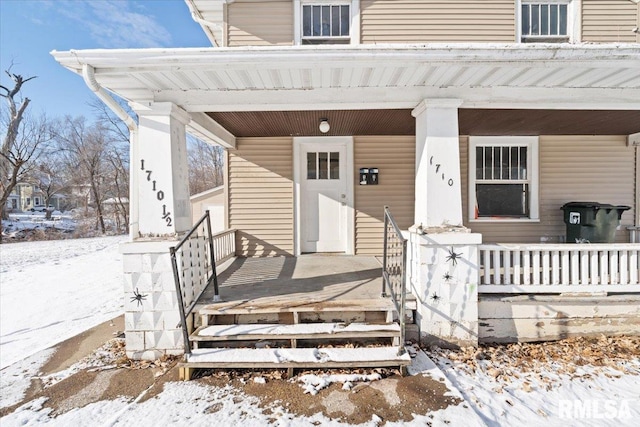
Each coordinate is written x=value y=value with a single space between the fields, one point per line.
x=295 y=334
x=304 y=331
x=320 y=358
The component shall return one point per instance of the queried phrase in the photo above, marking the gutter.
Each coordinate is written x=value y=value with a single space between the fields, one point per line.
x=88 y=73
x=197 y=16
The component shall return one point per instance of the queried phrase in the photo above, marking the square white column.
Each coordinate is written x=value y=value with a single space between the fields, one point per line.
x=438 y=199
x=161 y=170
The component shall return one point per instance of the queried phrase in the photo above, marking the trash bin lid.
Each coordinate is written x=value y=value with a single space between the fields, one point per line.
x=594 y=205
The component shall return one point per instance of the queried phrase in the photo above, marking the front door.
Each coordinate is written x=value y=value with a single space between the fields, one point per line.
x=324 y=196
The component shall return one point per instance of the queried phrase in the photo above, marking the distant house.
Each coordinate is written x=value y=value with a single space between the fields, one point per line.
x=26 y=196
x=212 y=200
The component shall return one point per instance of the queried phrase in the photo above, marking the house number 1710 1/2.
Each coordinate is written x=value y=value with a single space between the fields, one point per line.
x=159 y=194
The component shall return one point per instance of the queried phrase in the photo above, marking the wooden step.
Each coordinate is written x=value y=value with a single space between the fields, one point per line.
x=274 y=358
x=300 y=306
x=300 y=331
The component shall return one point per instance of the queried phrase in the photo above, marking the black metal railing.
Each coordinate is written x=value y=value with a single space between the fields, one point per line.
x=394 y=269
x=194 y=267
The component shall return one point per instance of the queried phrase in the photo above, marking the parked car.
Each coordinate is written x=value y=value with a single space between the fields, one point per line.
x=42 y=208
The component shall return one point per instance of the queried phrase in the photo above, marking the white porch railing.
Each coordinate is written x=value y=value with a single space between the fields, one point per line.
x=546 y=268
x=224 y=245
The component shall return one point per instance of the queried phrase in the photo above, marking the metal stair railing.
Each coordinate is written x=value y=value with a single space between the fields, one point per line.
x=193 y=261
x=394 y=269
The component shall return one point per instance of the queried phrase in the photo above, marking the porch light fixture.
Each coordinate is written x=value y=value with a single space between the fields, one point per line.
x=324 y=126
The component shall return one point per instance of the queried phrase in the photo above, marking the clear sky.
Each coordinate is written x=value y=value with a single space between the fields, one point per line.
x=30 y=29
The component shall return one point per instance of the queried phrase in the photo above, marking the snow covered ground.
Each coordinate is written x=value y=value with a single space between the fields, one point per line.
x=19 y=222
x=52 y=290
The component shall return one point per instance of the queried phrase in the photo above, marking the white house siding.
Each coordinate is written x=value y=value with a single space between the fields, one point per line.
x=260 y=23
x=261 y=196
x=607 y=21
x=394 y=156
x=572 y=168
x=417 y=21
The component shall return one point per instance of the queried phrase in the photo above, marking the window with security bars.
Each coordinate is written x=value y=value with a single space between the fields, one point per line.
x=503 y=181
x=323 y=165
x=544 y=21
x=326 y=24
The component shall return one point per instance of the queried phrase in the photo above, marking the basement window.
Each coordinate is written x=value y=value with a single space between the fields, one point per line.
x=546 y=21
x=503 y=178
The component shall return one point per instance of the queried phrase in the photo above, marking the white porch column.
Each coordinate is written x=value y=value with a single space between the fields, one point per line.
x=437 y=191
x=162 y=170
x=160 y=195
x=443 y=254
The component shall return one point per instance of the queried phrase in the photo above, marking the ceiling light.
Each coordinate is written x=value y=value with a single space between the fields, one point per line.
x=324 y=126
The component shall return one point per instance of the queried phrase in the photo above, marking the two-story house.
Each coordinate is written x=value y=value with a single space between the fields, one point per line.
x=485 y=116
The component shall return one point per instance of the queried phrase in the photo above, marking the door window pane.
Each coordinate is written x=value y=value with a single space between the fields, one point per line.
x=323 y=166
x=334 y=165
x=311 y=166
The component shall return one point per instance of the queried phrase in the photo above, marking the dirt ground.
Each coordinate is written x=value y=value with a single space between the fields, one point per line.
x=393 y=398
x=108 y=374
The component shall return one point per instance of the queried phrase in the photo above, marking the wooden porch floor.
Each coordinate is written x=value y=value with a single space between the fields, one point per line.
x=291 y=281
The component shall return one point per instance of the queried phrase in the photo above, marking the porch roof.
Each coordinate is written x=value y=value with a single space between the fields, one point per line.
x=594 y=77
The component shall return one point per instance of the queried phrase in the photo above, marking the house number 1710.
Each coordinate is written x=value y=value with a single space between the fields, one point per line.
x=159 y=194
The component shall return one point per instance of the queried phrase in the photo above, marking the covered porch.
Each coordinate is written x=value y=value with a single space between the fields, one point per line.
x=406 y=110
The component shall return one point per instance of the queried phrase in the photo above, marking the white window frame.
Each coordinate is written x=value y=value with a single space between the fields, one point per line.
x=532 y=143
x=354 y=8
x=574 y=18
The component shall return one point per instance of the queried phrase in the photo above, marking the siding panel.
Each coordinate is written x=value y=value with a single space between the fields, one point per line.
x=400 y=21
x=572 y=168
x=261 y=196
x=260 y=23
x=395 y=157
x=610 y=21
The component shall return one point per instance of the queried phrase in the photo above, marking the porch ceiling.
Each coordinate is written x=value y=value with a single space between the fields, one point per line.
x=400 y=122
x=370 y=76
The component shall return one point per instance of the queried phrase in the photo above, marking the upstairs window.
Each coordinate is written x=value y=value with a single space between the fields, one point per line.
x=503 y=178
x=326 y=24
x=544 y=21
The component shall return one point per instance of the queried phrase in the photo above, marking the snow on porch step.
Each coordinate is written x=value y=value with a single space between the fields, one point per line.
x=299 y=306
x=296 y=357
x=295 y=331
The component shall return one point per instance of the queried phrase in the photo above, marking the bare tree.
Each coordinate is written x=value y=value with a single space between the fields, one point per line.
x=119 y=160
x=85 y=151
x=25 y=138
x=206 y=164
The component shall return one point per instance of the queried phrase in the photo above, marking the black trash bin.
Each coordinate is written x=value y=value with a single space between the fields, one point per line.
x=592 y=222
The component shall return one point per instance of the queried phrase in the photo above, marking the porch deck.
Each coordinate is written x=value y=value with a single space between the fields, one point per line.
x=286 y=282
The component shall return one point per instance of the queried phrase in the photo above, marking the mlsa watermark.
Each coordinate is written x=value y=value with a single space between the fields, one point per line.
x=595 y=409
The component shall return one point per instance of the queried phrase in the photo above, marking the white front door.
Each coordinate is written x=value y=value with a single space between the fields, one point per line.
x=324 y=196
